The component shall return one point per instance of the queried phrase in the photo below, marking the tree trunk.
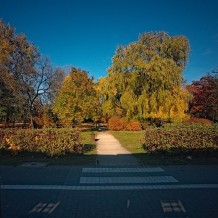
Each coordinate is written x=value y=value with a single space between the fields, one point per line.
x=31 y=121
x=31 y=117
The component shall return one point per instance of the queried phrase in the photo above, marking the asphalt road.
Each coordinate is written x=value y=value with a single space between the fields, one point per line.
x=68 y=192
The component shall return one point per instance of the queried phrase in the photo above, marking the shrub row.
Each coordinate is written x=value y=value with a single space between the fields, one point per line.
x=118 y=124
x=181 y=140
x=202 y=121
x=52 y=142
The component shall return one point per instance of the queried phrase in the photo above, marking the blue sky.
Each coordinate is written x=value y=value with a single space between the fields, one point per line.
x=86 y=33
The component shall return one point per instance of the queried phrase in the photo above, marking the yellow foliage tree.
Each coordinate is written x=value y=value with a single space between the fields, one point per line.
x=145 y=79
x=77 y=98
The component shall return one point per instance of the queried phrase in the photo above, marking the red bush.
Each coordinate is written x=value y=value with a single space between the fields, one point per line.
x=134 y=125
x=117 y=124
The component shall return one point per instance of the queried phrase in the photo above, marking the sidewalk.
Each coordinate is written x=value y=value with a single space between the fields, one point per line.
x=111 y=153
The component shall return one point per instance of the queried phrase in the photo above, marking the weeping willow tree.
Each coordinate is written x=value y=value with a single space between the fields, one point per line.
x=146 y=77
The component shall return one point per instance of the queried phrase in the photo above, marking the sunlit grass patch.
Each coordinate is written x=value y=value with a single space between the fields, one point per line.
x=131 y=140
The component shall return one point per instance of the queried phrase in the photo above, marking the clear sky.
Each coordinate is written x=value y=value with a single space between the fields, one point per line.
x=86 y=33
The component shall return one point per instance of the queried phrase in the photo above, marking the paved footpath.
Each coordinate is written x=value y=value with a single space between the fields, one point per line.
x=111 y=153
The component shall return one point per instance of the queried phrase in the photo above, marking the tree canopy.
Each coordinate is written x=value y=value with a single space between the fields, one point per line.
x=17 y=59
x=204 y=103
x=26 y=78
x=145 y=79
x=76 y=99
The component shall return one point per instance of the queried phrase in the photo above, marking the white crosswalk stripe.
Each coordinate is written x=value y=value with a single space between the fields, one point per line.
x=127 y=180
x=131 y=176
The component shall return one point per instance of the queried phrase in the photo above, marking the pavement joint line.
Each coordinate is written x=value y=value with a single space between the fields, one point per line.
x=123 y=170
x=107 y=187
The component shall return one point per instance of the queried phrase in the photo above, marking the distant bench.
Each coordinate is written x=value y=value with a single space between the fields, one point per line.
x=102 y=128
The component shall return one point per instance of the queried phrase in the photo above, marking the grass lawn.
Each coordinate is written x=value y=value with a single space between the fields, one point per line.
x=130 y=140
x=89 y=144
x=88 y=158
x=133 y=141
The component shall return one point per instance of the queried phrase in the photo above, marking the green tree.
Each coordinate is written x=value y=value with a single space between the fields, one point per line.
x=145 y=79
x=76 y=99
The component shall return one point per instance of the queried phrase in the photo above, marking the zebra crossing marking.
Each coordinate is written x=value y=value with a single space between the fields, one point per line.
x=128 y=180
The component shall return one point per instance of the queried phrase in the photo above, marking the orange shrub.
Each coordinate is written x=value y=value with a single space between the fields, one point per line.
x=117 y=124
x=134 y=125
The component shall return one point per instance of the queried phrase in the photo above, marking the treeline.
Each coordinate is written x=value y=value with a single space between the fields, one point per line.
x=144 y=82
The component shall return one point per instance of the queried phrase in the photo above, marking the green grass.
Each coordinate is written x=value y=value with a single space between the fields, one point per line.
x=130 y=140
x=89 y=144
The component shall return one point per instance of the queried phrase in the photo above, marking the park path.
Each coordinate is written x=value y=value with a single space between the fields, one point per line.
x=111 y=153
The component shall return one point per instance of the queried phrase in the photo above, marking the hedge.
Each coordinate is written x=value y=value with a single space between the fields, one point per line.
x=193 y=139
x=52 y=142
x=195 y=120
x=120 y=124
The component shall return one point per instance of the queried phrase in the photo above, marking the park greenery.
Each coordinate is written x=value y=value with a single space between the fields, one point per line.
x=76 y=99
x=28 y=82
x=144 y=82
x=145 y=79
x=182 y=139
x=173 y=144
x=47 y=141
x=143 y=85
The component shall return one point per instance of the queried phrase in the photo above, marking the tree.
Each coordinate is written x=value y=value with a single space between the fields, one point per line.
x=8 y=103
x=17 y=59
x=26 y=77
x=204 y=103
x=41 y=84
x=76 y=99
x=145 y=79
